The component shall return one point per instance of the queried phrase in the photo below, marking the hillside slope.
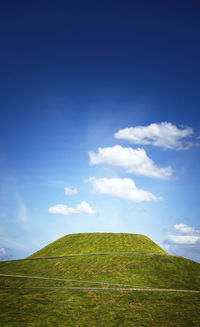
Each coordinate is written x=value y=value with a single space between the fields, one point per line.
x=43 y=302
x=98 y=243
x=141 y=270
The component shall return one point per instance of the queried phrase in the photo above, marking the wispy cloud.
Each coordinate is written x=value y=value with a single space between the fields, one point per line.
x=4 y=254
x=164 y=135
x=18 y=211
x=9 y=242
x=70 y=191
x=138 y=209
x=62 y=209
x=22 y=213
x=10 y=248
x=183 y=240
x=121 y=188
x=134 y=161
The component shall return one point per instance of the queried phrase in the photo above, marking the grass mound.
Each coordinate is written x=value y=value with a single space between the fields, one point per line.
x=85 y=243
x=39 y=306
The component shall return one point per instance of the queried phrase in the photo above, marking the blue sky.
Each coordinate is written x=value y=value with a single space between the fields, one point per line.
x=99 y=122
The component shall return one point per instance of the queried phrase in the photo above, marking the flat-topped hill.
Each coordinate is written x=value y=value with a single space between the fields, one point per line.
x=122 y=289
x=86 y=243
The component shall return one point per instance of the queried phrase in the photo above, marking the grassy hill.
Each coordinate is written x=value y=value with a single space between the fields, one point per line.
x=37 y=306
x=97 y=243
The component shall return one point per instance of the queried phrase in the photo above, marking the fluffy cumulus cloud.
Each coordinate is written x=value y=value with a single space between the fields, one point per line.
x=183 y=234
x=185 y=229
x=70 y=191
x=121 y=188
x=183 y=240
x=62 y=209
x=164 y=135
x=135 y=161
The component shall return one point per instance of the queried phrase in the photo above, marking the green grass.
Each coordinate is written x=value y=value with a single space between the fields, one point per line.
x=98 y=308
x=97 y=243
x=141 y=270
x=108 y=308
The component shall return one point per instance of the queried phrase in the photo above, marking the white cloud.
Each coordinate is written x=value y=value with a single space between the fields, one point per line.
x=183 y=234
x=121 y=188
x=164 y=135
x=184 y=229
x=70 y=191
x=62 y=209
x=134 y=161
x=183 y=240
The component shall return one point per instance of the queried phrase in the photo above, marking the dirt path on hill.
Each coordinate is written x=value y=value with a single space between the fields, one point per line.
x=120 y=288
x=97 y=254
x=102 y=289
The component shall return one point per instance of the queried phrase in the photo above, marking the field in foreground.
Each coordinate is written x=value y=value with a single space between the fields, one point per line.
x=98 y=308
x=105 y=307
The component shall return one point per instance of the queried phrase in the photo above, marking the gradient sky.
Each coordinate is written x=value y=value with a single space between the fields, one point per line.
x=99 y=122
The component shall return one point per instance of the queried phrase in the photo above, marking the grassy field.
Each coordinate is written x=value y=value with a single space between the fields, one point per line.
x=98 y=308
x=46 y=307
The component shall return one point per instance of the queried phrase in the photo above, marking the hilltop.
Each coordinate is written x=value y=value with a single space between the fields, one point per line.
x=86 y=243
